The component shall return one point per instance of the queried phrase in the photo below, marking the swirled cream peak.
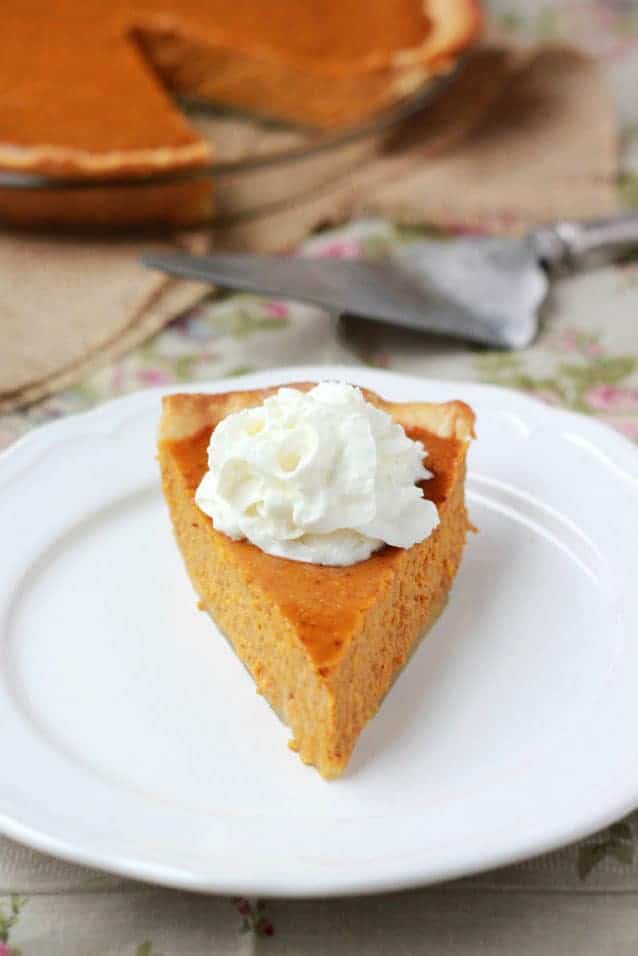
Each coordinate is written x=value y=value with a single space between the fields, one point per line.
x=320 y=476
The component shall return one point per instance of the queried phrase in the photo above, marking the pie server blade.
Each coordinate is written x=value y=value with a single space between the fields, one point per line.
x=482 y=289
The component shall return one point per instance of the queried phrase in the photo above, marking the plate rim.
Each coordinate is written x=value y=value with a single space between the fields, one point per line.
x=287 y=374
x=414 y=872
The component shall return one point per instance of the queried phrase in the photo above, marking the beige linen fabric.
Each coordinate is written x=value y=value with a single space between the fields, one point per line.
x=515 y=138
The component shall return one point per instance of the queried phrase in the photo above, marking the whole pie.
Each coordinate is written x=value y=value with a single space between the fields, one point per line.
x=86 y=87
x=322 y=643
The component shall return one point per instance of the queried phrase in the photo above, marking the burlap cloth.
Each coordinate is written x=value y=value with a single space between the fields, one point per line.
x=516 y=138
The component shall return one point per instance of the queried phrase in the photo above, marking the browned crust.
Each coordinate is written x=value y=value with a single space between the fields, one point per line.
x=185 y=414
x=454 y=27
x=63 y=160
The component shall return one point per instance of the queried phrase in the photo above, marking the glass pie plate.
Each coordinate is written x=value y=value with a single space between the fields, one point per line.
x=259 y=164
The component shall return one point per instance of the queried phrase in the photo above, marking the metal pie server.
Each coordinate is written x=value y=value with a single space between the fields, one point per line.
x=485 y=290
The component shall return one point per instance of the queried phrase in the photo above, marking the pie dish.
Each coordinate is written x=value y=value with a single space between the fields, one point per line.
x=322 y=643
x=86 y=93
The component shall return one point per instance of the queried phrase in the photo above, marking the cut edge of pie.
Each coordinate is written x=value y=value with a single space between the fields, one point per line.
x=325 y=92
x=323 y=644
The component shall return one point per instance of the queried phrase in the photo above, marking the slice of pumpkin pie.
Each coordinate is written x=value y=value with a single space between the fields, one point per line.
x=322 y=528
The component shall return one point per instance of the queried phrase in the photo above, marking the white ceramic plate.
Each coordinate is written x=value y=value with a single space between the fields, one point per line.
x=133 y=740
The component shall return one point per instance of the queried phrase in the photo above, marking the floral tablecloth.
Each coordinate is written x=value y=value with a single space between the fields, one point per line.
x=581 y=900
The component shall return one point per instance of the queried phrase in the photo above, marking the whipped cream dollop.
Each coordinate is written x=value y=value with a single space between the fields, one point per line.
x=321 y=476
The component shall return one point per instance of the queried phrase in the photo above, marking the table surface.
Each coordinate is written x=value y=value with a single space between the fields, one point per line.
x=583 y=899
